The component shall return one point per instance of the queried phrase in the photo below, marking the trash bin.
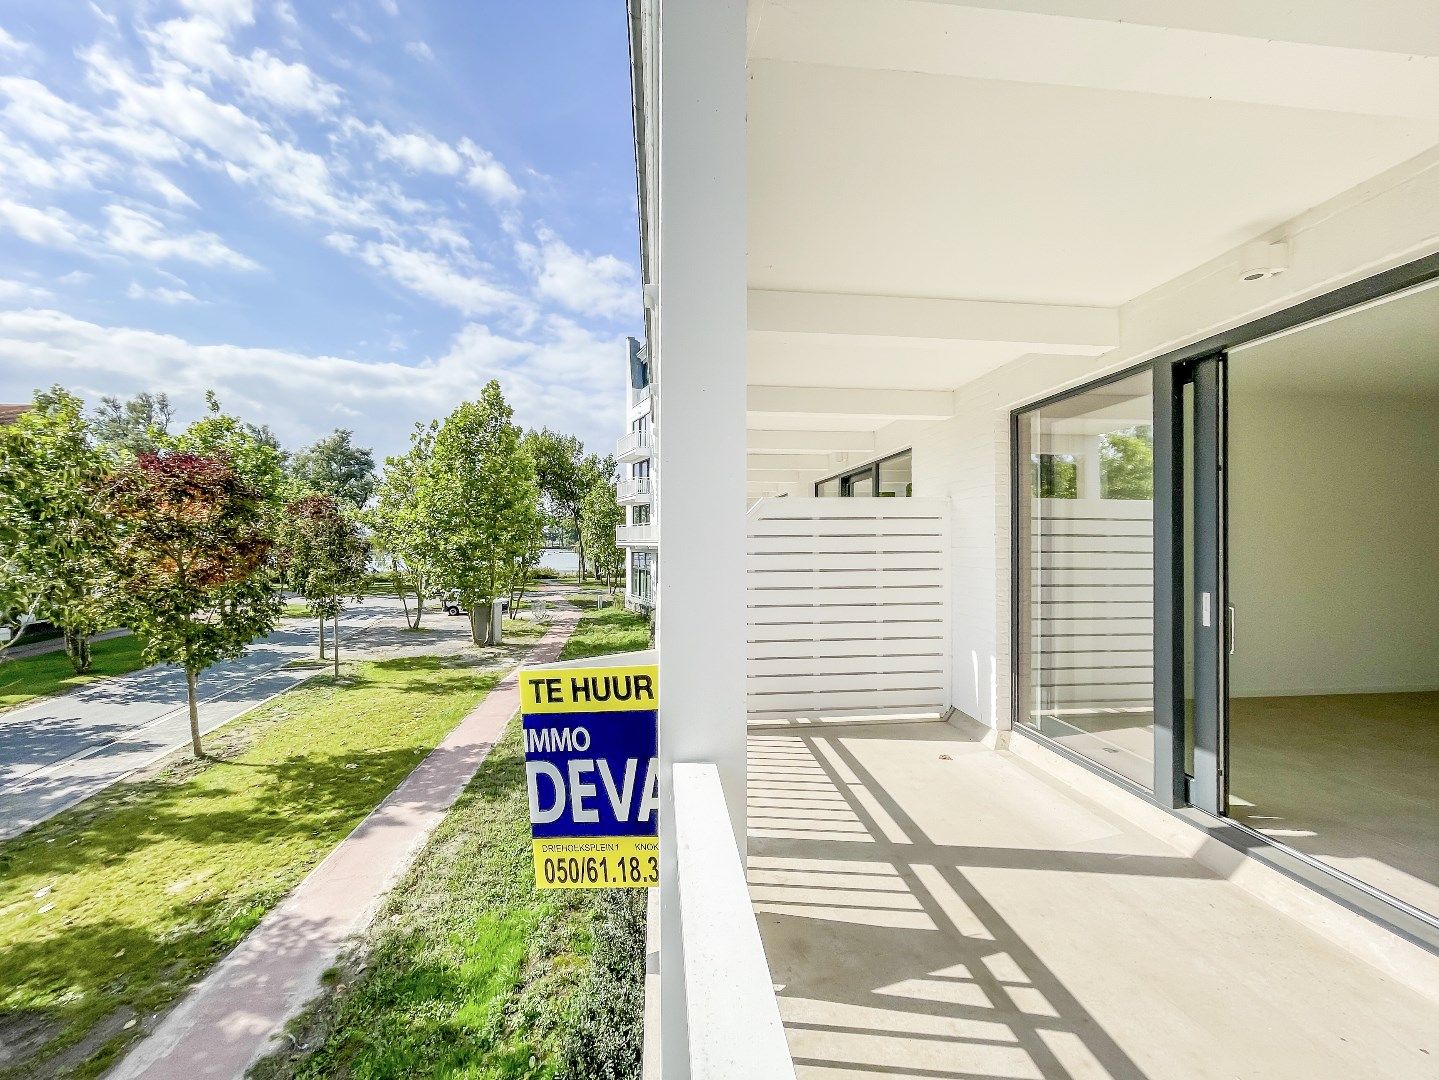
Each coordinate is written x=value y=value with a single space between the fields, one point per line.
x=497 y=621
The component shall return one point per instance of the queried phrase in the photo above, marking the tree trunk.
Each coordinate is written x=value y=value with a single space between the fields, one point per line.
x=335 y=646
x=77 y=649
x=194 y=714
x=482 y=632
x=322 y=638
x=580 y=547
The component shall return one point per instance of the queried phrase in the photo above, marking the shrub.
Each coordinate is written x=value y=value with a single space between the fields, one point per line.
x=604 y=1035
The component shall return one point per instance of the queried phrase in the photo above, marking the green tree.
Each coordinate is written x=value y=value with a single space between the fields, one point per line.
x=1056 y=476
x=1126 y=463
x=193 y=562
x=405 y=530
x=55 y=540
x=251 y=450
x=324 y=558
x=482 y=486
x=139 y=425
x=563 y=474
x=601 y=515
x=335 y=466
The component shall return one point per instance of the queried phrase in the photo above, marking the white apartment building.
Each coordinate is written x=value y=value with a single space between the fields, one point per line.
x=637 y=488
x=1107 y=745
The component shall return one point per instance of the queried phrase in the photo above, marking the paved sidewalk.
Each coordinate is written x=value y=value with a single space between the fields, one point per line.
x=40 y=648
x=228 y=1020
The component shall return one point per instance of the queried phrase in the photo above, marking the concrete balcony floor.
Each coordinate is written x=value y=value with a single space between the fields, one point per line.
x=932 y=908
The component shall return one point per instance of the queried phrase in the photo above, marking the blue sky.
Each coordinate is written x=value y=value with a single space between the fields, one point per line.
x=349 y=213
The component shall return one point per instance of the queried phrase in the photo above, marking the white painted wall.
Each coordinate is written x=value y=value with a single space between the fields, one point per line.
x=1334 y=543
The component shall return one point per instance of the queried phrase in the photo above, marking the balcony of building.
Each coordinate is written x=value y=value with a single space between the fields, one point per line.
x=933 y=907
x=632 y=447
x=646 y=535
x=894 y=226
x=634 y=491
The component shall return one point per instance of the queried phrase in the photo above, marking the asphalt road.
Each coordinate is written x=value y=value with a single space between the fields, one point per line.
x=59 y=750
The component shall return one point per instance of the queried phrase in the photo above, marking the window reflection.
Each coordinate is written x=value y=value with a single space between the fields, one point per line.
x=1086 y=579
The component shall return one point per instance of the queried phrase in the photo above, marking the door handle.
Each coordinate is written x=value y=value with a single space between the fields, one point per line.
x=1230 y=610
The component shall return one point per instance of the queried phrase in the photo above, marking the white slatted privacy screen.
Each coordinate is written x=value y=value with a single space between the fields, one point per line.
x=848 y=608
x=1091 y=576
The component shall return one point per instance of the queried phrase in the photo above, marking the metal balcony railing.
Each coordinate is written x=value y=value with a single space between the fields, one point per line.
x=637 y=534
x=634 y=491
x=632 y=447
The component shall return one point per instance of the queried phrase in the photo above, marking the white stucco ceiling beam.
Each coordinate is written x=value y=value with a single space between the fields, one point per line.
x=1334 y=60
x=772 y=479
x=1050 y=328
x=772 y=463
x=846 y=402
x=810 y=442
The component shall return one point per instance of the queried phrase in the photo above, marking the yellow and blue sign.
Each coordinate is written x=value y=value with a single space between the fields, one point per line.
x=591 y=765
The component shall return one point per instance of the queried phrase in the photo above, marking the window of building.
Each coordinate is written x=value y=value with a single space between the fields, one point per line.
x=1084 y=583
x=640 y=574
x=640 y=515
x=889 y=478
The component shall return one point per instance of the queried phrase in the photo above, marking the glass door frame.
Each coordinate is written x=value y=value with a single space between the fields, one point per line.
x=1200 y=367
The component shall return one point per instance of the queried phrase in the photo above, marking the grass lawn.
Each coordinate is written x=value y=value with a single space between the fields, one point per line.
x=50 y=673
x=469 y=971
x=610 y=630
x=523 y=629
x=110 y=911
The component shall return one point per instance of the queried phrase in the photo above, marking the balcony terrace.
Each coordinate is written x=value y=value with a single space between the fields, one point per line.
x=634 y=491
x=632 y=447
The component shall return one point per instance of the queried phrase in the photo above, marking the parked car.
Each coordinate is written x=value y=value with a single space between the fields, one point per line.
x=453 y=607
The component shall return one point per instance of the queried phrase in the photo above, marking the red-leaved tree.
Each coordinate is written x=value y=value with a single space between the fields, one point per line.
x=194 y=541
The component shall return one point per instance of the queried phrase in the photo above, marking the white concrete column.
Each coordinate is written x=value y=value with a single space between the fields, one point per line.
x=700 y=420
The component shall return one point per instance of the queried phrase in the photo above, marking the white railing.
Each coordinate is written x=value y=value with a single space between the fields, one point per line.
x=637 y=534
x=632 y=447
x=734 y=1024
x=636 y=490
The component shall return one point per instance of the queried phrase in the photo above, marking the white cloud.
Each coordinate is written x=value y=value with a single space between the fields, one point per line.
x=161 y=294
x=50 y=227
x=12 y=292
x=487 y=175
x=416 y=150
x=197 y=48
x=567 y=377
x=10 y=44
x=75 y=277
x=392 y=7
x=226 y=13
x=588 y=284
x=420 y=51
x=132 y=232
x=435 y=277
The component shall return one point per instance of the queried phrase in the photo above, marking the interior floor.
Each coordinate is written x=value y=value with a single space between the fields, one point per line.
x=1352 y=780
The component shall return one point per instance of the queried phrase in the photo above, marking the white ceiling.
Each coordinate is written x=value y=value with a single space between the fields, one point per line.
x=898 y=183
x=1047 y=152
x=784 y=359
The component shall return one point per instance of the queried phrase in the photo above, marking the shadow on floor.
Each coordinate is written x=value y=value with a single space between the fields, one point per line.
x=887 y=959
